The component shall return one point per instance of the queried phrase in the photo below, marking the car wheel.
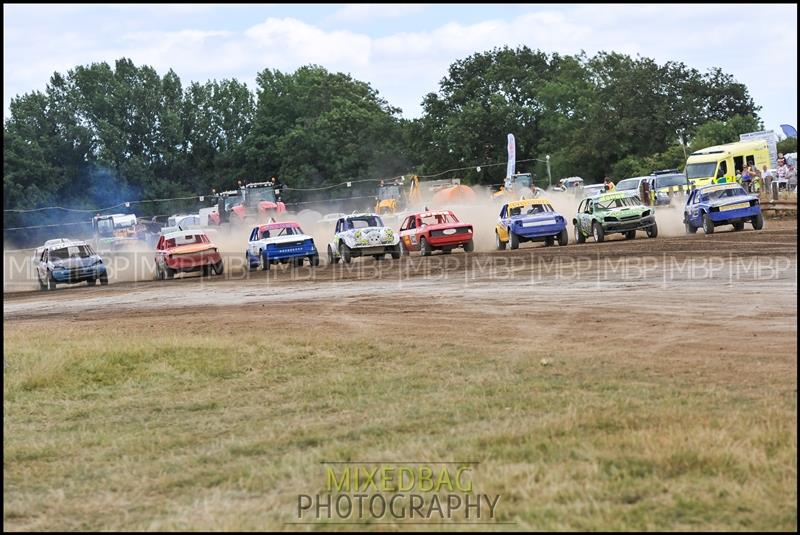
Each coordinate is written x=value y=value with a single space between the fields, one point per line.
x=169 y=272
x=690 y=229
x=263 y=261
x=549 y=241
x=758 y=222
x=313 y=260
x=579 y=237
x=469 y=246
x=424 y=248
x=563 y=237
x=91 y=282
x=345 y=253
x=398 y=251
x=708 y=225
x=501 y=245
x=652 y=230
x=630 y=235
x=250 y=266
x=332 y=259
x=598 y=232
x=104 y=280
x=298 y=262
x=51 y=282
x=513 y=240
x=219 y=268
x=377 y=257
x=738 y=226
x=206 y=270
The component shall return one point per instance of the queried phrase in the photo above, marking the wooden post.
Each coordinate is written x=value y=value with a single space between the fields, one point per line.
x=774 y=190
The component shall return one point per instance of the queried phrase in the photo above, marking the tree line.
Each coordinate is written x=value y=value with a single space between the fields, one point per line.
x=99 y=134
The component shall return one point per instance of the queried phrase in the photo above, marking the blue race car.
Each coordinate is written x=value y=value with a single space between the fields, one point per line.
x=721 y=204
x=283 y=242
x=63 y=261
x=530 y=220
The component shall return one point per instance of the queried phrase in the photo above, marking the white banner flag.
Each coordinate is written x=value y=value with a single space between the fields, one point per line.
x=512 y=156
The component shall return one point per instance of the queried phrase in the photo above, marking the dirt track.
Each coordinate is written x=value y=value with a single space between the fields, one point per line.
x=721 y=266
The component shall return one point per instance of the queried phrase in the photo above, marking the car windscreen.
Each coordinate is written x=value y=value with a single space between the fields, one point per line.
x=665 y=181
x=532 y=209
x=261 y=194
x=73 y=251
x=701 y=170
x=628 y=183
x=364 y=222
x=617 y=203
x=437 y=219
x=721 y=194
x=278 y=232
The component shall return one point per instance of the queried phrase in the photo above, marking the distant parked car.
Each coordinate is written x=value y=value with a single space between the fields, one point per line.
x=63 y=261
x=593 y=189
x=186 y=251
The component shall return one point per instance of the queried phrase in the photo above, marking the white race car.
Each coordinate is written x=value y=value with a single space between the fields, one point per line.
x=362 y=235
x=280 y=242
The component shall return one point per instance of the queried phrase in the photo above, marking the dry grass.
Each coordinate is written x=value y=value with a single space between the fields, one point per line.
x=148 y=426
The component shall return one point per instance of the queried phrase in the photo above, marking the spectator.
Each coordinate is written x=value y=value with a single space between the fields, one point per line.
x=782 y=171
x=746 y=178
x=608 y=184
x=766 y=176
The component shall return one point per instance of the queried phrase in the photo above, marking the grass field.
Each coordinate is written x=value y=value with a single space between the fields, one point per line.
x=218 y=421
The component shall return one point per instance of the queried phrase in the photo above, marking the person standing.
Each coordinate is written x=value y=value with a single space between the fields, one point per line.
x=608 y=184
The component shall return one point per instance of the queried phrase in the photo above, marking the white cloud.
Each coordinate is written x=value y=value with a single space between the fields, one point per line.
x=404 y=65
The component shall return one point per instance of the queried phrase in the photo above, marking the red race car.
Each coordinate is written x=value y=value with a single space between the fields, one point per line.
x=437 y=230
x=186 y=251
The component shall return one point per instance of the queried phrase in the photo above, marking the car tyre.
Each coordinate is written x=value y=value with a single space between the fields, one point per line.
x=424 y=247
x=501 y=245
x=708 y=225
x=345 y=253
x=51 y=282
x=690 y=229
x=298 y=262
x=332 y=258
x=630 y=235
x=403 y=250
x=219 y=268
x=598 y=232
x=398 y=251
x=549 y=241
x=469 y=246
x=579 y=237
x=313 y=260
x=513 y=240
x=738 y=226
x=563 y=237
x=758 y=222
x=652 y=230
x=263 y=261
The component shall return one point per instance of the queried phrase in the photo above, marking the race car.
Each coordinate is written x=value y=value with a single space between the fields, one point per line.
x=361 y=235
x=185 y=251
x=435 y=231
x=721 y=204
x=529 y=220
x=280 y=242
x=63 y=261
x=613 y=213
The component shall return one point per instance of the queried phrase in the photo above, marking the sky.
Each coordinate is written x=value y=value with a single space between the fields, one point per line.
x=402 y=50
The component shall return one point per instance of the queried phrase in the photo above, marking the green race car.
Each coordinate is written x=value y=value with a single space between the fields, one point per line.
x=611 y=213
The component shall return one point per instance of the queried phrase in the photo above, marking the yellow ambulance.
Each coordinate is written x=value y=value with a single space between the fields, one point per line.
x=721 y=163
